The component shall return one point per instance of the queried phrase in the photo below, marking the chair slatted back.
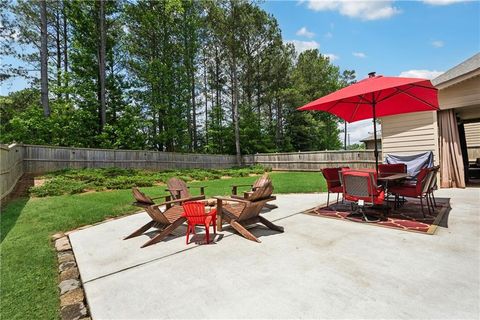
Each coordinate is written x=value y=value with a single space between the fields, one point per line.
x=250 y=210
x=256 y=202
x=141 y=198
x=264 y=191
x=265 y=178
x=174 y=184
x=195 y=211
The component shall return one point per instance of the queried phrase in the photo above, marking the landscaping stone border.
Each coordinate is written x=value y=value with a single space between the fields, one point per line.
x=73 y=305
x=73 y=302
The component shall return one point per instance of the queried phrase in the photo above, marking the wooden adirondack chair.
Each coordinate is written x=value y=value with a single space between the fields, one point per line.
x=179 y=190
x=167 y=220
x=142 y=200
x=246 y=212
x=264 y=179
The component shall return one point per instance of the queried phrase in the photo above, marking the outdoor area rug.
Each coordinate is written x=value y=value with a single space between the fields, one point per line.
x=408 y=217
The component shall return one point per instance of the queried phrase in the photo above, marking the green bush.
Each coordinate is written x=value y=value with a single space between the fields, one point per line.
x=70 y=181
x=59 y=186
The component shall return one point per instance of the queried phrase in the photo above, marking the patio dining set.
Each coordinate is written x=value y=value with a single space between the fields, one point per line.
x=377 y=189
x=238 y=211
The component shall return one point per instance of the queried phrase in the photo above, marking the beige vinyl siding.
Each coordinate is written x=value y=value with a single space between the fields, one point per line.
x=410 y=133
x=472 y=134
x=462 y=94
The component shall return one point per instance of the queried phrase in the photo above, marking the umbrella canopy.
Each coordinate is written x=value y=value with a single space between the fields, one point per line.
x=378 y=96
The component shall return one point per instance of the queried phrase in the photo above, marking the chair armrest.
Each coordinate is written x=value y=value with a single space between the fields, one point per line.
x=202 y=189
x=235 y=187
x=168 y=203
x=232 y=199
x=167 y=197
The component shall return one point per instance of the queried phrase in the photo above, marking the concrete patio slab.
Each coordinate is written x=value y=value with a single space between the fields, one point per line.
x=318 y=268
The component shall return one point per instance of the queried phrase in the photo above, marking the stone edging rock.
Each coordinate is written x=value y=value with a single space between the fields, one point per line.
x=73 y=305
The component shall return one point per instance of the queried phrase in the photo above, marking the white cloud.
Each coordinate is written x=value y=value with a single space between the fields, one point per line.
x=301 y=46
x=438 y=43
x=305 y=33
x=424 y=74
x=328 y=35
x=331 y=56
x=364 y=10
x=359 y=55
x=443 y=2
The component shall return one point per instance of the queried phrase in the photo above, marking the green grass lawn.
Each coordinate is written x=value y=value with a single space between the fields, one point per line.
x=28 y=261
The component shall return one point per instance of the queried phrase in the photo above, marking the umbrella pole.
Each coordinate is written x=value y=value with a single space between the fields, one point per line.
x=375 y=135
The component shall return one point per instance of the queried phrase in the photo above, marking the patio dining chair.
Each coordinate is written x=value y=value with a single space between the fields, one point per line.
x=195 y=213
x=334 y=183
x=419 y=189
x=361 y=188
x=180 y=190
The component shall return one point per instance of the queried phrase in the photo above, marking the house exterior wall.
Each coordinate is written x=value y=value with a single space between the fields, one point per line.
x=418 y=132
x=462 y=94
x=410 y=133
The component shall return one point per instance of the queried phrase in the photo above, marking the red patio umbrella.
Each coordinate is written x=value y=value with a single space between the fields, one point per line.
x=378 y=96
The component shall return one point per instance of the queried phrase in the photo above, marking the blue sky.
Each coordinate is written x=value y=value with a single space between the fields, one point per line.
x=394 y=38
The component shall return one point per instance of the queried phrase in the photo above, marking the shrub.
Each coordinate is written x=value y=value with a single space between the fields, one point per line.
x=70 y=181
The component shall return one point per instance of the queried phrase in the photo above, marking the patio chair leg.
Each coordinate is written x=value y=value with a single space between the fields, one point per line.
x=244 y=232
x=140 y=231
x=207 y=231
x=427 y=199
x=433 y=197
x=423 y=211
x=270 y=224
x=328 y=197
x=338 y=195
x=165 y=232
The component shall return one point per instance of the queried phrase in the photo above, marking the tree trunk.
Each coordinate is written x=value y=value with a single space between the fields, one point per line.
x=58 y=47
x=65 y=46
x=101 y=65
x=206 y=96
x=44 y=58
x=233 y=70
x=194 y=110
x=235 y=112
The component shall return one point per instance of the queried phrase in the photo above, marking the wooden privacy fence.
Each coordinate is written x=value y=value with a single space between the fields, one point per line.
x=18 y=159
x=313 y=160
x=11 y=168
x=39 y=159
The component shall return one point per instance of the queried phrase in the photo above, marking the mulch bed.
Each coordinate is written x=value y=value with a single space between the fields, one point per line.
x=408 y=217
